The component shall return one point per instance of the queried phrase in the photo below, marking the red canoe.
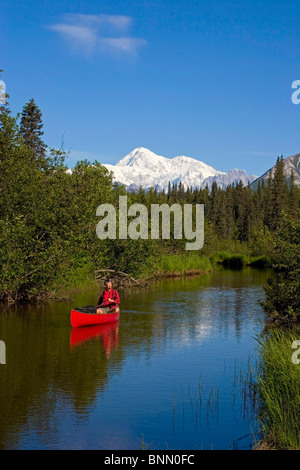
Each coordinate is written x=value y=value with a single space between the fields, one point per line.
x=85 y=319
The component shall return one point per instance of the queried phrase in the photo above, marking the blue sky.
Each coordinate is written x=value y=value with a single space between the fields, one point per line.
x=207 y=79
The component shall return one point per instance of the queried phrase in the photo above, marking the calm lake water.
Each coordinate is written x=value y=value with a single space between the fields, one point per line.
x=169 y=375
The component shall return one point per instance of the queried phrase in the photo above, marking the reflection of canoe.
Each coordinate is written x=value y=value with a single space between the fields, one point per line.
x=85 y=319
x=107 y=332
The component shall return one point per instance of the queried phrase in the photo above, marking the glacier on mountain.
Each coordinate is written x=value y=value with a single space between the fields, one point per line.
x=143 y=168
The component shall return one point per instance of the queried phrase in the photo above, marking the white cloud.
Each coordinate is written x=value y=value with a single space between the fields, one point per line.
x=119 y=22
x=78 y=37
x=127 y=45
x=92 y=33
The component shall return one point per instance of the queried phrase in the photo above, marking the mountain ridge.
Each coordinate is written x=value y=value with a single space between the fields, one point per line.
x=143 y=168
x=290 y=163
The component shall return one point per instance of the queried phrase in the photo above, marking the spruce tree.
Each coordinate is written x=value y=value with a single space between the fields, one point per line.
x=268 y=202
x=229 y=211
x=222 y=216
x=279 y=193
x=293 y=199
x=258 y=202
x=214 y=203
x=31 y=130
x=169 y=190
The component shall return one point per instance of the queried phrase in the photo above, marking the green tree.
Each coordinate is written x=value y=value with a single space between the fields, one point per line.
x=279 y=193
x=283 y=291
x=293 y=197
x=31 y=130
x=268 y=208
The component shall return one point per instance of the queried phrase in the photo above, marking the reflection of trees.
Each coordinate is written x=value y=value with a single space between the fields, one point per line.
x=42 y=373
x=45 y=374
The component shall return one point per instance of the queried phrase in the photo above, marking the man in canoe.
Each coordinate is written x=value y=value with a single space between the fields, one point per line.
x=109 y=299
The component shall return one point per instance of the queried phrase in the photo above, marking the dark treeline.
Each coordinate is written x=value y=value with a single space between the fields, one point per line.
x=237 y=212
x=48 y=214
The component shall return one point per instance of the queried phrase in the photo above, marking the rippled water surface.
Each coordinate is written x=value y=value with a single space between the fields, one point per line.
x=169 y=375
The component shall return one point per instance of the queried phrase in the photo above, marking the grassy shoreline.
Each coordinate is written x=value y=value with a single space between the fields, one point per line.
x=167 y=266
x=278 y=386
x=174 y=265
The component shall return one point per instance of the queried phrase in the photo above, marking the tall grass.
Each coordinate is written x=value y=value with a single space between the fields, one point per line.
x=279 y=389
x=179 y=264
x=193 y=263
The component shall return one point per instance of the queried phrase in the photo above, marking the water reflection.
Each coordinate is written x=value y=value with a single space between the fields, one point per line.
x=104 y=387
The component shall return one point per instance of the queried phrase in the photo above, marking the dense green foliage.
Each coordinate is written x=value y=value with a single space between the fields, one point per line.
x=283 y=291
x=279 y=385
x=48 y=217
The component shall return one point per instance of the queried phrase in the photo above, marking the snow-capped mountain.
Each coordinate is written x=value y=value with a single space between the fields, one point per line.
x=141 y=167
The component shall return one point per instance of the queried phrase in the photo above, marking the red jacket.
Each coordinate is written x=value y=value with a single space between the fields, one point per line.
x=106 y=294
